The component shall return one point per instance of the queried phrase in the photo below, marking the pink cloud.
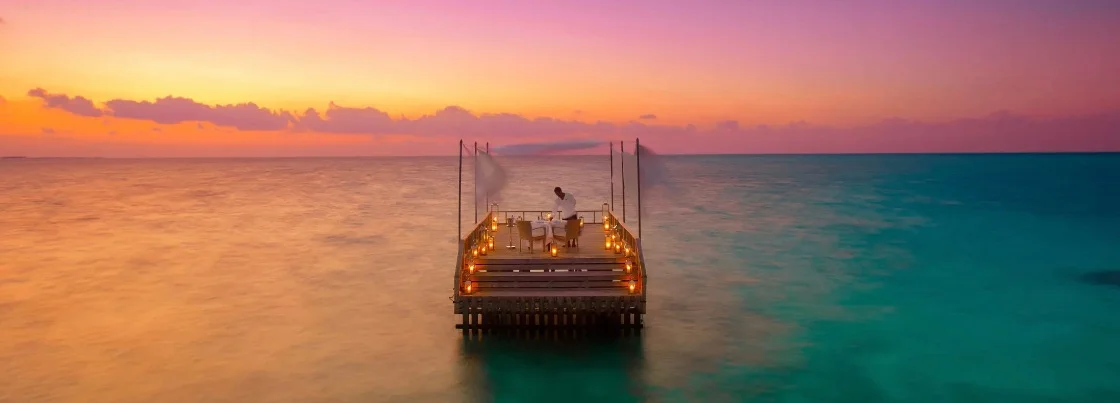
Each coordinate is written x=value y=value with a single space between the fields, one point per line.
x=170 y=110
x=339 y=119
x=77 y=105
x=1000 y=132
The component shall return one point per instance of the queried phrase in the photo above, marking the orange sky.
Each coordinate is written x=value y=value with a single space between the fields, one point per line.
x=677 y=64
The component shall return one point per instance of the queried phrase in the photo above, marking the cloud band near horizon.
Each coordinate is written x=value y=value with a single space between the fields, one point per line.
x=1000 y=131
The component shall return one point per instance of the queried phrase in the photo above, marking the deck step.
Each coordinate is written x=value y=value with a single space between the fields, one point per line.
x=552 y=267
x=556 y=276
x=550 y=292
x=554 y=286
x=545 y=259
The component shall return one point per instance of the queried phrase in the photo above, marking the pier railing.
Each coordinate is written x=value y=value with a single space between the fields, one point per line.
x=475 y=243
x=625 y=239
x=589 y=216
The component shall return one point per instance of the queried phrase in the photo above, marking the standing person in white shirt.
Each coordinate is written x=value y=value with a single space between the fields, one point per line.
x=565 y=206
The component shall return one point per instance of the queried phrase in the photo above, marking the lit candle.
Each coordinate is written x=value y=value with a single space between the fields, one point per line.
x=475 y=252
x=470 y=267
x=494 y=225
x=554 y=251
x=581 y=221
x=629 y=266
x=490 y=243
x=482 y=250
x=608 y=247
x=617 y=248
x=633 y=285
x=468 y=286
x=627 y=249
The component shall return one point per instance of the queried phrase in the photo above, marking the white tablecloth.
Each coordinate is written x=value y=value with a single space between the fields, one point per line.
x=549 y=231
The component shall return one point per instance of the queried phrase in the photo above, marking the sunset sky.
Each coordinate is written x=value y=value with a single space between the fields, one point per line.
x=333 y=77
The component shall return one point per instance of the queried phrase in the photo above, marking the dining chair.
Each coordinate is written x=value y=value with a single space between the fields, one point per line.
x=525 y=233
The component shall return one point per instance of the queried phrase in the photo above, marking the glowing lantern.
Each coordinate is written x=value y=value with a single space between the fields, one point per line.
x=494 y=225
x=633 y=285
x=627 y=250
x=474 y=252
x=490 y=243
x=550 y=216
x=468 y=286
x=482 y=250
x=617 y=247
x=606 y=212
x=606 y=224
x=608 y=246
x=554 y=251
x=581 y=221
x=629 y=266
x=470 y=267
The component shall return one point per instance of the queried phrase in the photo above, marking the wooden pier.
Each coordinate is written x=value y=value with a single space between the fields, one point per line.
x=583 y=285
x=506 y=278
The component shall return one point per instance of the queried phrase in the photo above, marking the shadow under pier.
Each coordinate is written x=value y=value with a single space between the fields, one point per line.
x=554 y=364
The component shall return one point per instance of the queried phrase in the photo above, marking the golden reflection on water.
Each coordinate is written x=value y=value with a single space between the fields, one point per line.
x=306 y=280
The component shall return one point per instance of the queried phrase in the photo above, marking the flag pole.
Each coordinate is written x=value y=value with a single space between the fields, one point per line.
x=487 y=188
x=638 y=162
x=475 y=182
x=622 y=167
x=612 y=176
x=460 y=189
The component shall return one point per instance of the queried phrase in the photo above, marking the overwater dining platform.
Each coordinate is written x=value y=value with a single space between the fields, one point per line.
x=522 y=268
x=502 y=282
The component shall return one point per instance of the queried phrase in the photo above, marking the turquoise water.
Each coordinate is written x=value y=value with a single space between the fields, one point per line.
x=918 y=278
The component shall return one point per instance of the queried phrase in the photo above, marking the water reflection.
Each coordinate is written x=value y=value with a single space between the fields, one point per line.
x=529 y=364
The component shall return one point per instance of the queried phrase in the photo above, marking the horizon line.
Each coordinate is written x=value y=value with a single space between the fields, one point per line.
x=976 y=153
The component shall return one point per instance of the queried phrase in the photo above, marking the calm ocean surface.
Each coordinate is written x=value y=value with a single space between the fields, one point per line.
x=977 y=278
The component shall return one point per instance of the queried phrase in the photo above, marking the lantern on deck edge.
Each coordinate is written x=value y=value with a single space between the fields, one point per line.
x=468 y=286
x=554 y=251
x=474 y=252
x=581 y=221
x=618 y=247
x=470 y=267
x=629 y=266
x=606 y=217
x=633 y=285
x=608 y=244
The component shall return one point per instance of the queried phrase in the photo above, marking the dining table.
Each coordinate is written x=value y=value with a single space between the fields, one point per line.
x=549 y=227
